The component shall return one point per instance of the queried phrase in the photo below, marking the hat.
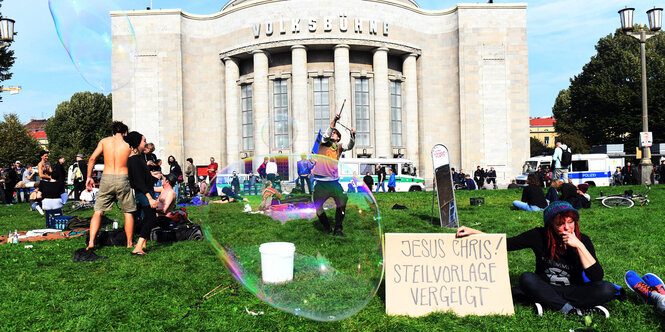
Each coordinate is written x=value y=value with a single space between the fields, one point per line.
x=583 y=187
x=80 y=155
x=17 y=162
x=133 y=139
x=555 y=208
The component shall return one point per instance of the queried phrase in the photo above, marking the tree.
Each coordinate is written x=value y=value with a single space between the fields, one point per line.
x=6 y=62
x=603 y=103
x=78 y=125
x=16 y=143
x=538 y=148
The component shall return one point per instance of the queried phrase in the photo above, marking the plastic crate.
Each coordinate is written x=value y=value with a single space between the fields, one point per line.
x=477 y=201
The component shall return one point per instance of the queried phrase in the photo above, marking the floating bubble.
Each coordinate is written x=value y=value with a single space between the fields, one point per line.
x=255 y=228
x=279 y=132
x=84 y=28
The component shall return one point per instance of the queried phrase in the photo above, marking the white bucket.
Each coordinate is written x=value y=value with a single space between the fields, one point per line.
x=277 y=261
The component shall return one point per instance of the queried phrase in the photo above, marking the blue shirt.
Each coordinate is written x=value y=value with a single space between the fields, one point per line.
x=304 y=167
x=391 y=181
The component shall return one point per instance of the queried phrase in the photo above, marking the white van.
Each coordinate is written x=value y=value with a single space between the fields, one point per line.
x=405 y=172
x=594 y=169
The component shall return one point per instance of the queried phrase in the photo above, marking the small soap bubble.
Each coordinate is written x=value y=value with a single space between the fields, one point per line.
x=279 y=132
x=278 y=248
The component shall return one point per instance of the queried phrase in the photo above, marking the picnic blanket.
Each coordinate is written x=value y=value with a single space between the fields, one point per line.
x=47 y=234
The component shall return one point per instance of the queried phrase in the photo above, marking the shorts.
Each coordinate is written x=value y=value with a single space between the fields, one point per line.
x=112 y=187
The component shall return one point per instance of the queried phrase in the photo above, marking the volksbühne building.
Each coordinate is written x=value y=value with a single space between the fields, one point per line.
x=263 y=76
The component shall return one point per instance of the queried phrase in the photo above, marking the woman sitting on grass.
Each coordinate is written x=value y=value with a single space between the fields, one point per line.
x=532 y=195
x=562 y=255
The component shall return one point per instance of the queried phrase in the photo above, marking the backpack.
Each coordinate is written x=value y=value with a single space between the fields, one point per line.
x=114 y=238
x=173 y=232
x=566 y=158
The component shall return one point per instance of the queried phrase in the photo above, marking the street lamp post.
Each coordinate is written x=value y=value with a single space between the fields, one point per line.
x=6 y=32
x=655 y=23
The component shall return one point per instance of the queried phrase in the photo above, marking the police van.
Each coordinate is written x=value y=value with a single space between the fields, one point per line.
x=594 y=169
x=404 y=169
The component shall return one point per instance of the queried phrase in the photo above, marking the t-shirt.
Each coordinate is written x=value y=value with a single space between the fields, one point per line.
x=89 y=196
x=271 y=168
x=214 y=166
x=567 y=269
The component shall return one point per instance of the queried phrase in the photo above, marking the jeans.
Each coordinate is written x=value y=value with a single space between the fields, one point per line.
x=381 y=185
x=526 y=207
x=555 y=297
x=301 y=182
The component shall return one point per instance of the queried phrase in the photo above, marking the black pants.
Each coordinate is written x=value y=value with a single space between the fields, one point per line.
x=149 y=214
x=192 y=186
x=554 y=297
x=9 y=192
x=78 y=188
x=391 y=189
x=324 y=190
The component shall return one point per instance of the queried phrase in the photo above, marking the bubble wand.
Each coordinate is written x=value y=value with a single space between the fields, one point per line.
x=340 y=114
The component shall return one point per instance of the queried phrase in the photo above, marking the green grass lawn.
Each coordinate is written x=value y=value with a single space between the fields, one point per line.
x=42 y=289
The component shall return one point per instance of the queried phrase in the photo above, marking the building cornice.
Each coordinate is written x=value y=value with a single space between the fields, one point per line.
x=230 y=10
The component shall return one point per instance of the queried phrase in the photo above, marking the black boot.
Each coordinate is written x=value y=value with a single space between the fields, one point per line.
x=323 y=218
x=339 y=218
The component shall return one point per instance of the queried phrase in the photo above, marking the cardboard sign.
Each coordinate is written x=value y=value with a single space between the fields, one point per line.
x=438 y=272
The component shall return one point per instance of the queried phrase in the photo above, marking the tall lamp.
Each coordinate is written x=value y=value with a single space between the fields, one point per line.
x=6 y=31
x=642 y=34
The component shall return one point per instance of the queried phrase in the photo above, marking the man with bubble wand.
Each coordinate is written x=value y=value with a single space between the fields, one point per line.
x=326 y=174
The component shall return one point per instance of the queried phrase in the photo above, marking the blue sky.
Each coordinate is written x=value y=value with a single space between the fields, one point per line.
x=561 y=36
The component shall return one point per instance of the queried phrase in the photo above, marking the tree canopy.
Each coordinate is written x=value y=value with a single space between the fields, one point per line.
x=6 y=62
x=78 y=125
x=16 y=143
x=603 y=104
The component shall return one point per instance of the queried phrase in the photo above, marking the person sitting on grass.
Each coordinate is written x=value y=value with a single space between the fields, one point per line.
x=89 y=195
x=562 y=255
x=469 y=184
x=267 y=196
x=166 y=202
x=553 y=191
x=649 y=287
x=532 y=195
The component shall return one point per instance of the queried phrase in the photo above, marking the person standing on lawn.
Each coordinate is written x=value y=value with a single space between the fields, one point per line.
x=392 y=183
x=563 y=253
x=114 y=184
x=326 y=174
x=141 y=180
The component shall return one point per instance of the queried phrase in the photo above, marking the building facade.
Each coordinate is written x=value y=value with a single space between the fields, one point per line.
x=263 y=76
x=542 y=129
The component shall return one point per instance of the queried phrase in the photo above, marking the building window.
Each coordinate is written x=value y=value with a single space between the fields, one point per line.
x=396 y=113
x=547 y=140
x=362 y=111
x=321 y=104
x=281 y=112
x=247 y=117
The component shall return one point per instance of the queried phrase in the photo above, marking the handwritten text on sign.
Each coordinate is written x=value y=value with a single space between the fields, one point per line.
x=439 y=272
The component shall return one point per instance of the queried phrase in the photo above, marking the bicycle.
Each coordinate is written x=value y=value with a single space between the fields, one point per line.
x=626 y=201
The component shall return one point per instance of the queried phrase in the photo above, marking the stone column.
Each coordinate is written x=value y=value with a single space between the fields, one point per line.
x=301 y=113
x=412 y=136
x=381 y=104
x=261 y=95
x=343 y=86
x=233 y=124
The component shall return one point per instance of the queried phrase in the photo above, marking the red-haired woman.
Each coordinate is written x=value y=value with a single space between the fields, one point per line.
x=562 y=255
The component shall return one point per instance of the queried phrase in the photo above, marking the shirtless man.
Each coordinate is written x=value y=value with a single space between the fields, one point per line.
x=43 y=175
x=114 y=183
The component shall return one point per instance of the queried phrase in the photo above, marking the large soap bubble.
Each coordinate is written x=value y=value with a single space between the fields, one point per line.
x=84 y=28
x=332 y=277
